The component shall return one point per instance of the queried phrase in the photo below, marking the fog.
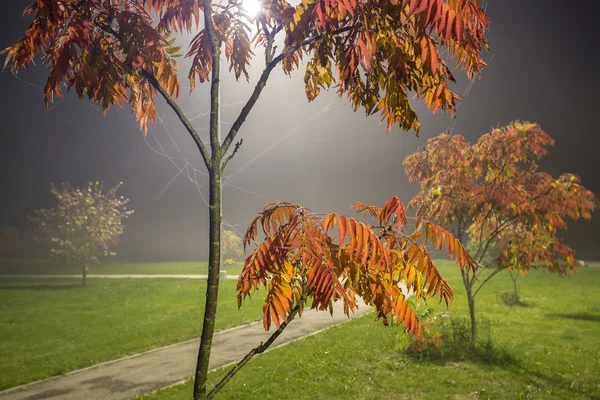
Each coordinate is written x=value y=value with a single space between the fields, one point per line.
x=319 y=154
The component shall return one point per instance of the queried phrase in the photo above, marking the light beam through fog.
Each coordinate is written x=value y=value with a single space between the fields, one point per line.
x=327 y=159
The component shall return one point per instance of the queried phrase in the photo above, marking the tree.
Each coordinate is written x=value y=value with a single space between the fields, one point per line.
x=300 y=259
x=121 y=51
x=84 y=225
x=494 y=192
x=232 y=245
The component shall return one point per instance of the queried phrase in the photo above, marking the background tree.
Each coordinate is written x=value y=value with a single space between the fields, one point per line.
x=232 y=245
x=84 y=225
x=493 y=192
x=372 y=52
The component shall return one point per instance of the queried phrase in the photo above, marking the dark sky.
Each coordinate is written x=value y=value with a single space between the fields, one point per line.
x=322 y=155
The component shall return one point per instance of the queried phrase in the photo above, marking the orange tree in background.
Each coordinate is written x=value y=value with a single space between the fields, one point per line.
x=372 y=52
x=494 y=192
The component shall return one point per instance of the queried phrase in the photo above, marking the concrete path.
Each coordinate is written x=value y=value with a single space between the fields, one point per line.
x=117 y=276
x=130 y=377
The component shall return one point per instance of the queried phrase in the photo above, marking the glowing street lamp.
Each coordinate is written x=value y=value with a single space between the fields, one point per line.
x=252 y=7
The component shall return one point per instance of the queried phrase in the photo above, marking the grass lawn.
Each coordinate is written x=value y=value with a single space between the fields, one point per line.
x=37 y=267
x=549 y=348
x=49 y=327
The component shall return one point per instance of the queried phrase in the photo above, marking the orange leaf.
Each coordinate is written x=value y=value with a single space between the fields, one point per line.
x=342 y=228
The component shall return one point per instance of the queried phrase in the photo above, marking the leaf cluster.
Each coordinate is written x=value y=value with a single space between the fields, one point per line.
x=374 y=52
x=494 y=191
x=302 y=258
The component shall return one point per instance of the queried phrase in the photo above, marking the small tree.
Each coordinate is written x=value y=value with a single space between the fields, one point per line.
x=232 y=245
x=84 y=225
x=373 y=53
x=301 y=259
x=493 y=192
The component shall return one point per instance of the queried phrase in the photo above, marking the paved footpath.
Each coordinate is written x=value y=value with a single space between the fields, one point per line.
x=132 y=376
x=116 y=276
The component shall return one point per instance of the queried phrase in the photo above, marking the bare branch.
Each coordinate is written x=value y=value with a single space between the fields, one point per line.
x=493 y=235
x=262 y=81
x=228 y=158
x=257 y=350
x=181 y=115
x=154 y=82
x=269 y=50
x=215 y=44
x=487 y=279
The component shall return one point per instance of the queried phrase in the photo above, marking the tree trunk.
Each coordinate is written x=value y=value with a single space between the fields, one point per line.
x=212 y=289
x=514 y=279
x=84 y=274
x=471 y=300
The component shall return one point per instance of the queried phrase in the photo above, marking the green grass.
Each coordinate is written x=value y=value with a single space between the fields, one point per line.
x=49 y=327
x=38 y=267
x=549 y=348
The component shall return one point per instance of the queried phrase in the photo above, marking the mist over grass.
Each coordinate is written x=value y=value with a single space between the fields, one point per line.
x=42 y=267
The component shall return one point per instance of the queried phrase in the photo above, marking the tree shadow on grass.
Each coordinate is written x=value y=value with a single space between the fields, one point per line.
x=451 y=353
x=448 y=340
x=533 y=377
x=530 y=377
x=42 y=287
x=582 y=316
x=452 y=345
x=510 y=299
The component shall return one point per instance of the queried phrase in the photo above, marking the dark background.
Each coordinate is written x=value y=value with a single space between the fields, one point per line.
x=320 y=154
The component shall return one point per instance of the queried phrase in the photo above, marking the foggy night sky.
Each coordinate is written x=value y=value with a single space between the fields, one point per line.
x=545 y=70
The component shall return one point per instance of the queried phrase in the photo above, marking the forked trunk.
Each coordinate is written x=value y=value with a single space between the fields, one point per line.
x=472 y=318
x=514 y=279
x=471 y=300
x=212 y=289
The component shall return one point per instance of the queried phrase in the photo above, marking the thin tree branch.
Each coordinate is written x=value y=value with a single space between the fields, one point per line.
x=229 y=157
x=186 y=123
x=257 y=350
x=263 y=81
x=269 y=50
x=495 y=233
x=479 y=239
x=215 y=44
x=487 y=279
x=154 y=82
x=468 y=284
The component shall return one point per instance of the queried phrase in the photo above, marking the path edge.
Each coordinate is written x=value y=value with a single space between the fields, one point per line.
x=15 y=388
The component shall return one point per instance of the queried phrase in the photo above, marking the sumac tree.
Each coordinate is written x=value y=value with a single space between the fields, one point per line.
x=302 y=261
x=494 y=192
x=84 y=225
x=372 y=52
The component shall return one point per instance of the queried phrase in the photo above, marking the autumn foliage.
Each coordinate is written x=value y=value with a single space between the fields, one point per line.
x=494 y=189
x=120 y=51
x=372 y=52
x=302 y=258
x=494 y=192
